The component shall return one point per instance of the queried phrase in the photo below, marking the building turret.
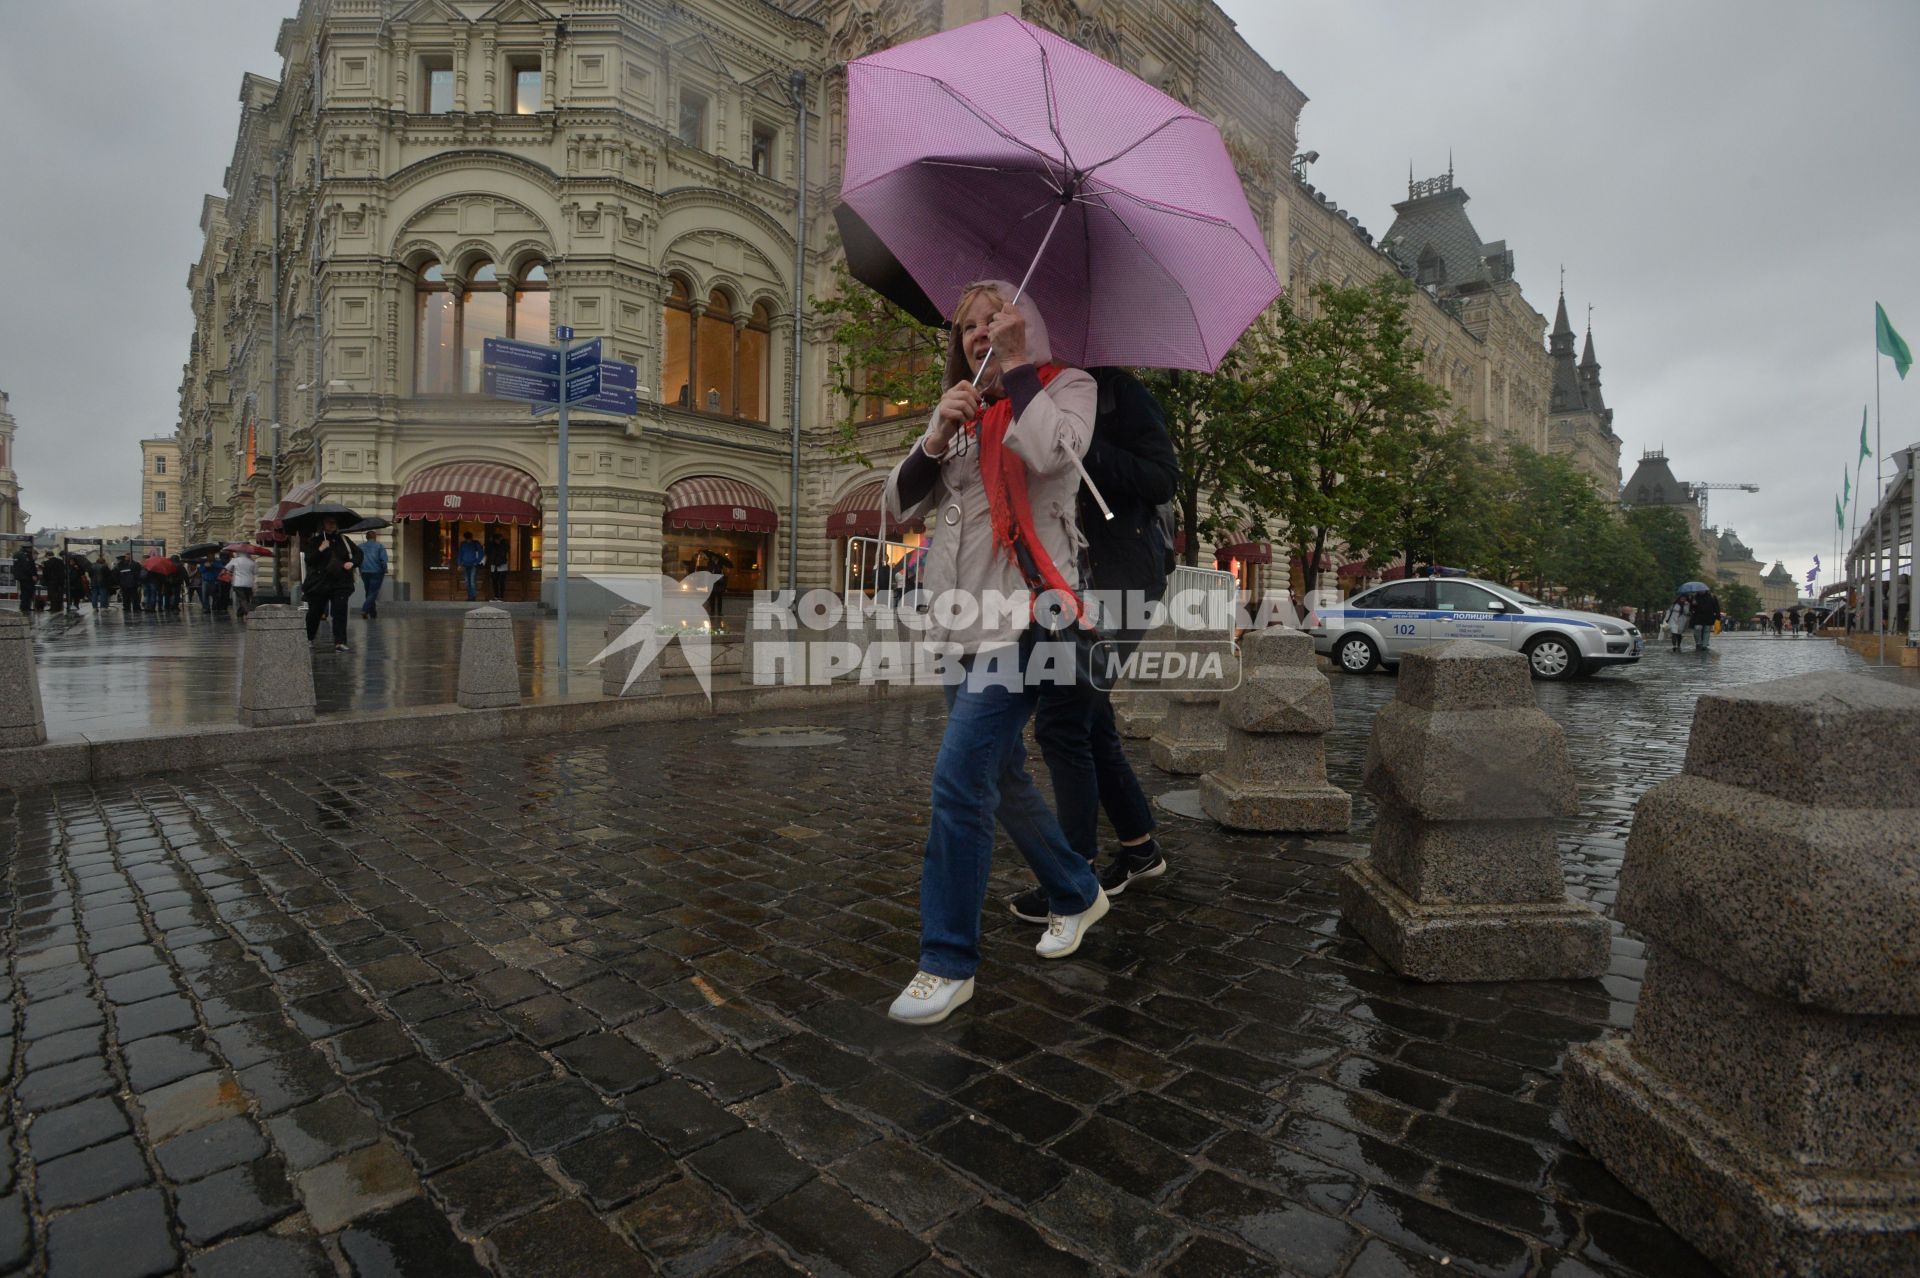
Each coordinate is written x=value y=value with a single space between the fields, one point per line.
x=1568 y=396
x=1590 y=377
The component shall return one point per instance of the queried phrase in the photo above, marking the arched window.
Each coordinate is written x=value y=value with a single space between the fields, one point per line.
x=676 y=369
x=434 y=333
x=750 y=399
x=716 y=358
x=452 y=325
x=483 y=314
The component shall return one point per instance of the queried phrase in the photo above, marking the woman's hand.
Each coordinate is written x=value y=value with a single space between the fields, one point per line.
x=1008 y=332
x=960 y=405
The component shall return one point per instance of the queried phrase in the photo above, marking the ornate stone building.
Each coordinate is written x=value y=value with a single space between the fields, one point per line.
x=1580 y=425
x=161 y=490
x=425 y=174
x=1778 y=588
x=1734 y=562
x=12 y=518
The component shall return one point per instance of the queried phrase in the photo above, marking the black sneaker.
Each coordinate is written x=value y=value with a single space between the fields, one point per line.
x=1030 y=906
x=1127 y=867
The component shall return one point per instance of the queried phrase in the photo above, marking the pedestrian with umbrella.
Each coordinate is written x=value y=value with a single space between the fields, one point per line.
x=993 y=152
x=245 y=572
x=26 y=575
x=329 y=557
x=53 y=575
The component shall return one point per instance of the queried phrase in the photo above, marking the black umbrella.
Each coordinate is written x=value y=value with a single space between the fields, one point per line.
x=873 y=264
x=372 y=523
x=306 y=518
x=200 y=550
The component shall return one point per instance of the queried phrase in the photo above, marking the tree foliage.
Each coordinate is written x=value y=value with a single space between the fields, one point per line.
x=1739 y=600
x=880 y=357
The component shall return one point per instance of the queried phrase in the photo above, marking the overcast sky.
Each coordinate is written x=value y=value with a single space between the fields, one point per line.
x=1730 y=183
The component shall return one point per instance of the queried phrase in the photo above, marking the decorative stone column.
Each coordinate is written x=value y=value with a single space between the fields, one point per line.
x=1274 y=776
x=276 y=672
x=1139 y=705
x=619 y=664
x=1463 y=882
x=23 y=722
x=489 y=675
x=1767 y=1100
x=1191 y=738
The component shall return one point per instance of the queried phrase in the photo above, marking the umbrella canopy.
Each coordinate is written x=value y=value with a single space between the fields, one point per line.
x=306 y=518
x=246 y=548
x=372 y=523
x=160 y=564
x=871 y=262
x=970 y=151
x=200 y=550
x=1693 y=588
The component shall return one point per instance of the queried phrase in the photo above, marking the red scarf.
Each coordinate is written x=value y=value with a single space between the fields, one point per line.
x=1005 y=477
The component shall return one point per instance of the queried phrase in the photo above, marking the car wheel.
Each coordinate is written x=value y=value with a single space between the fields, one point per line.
x=1356 y=654
x=1553 y=657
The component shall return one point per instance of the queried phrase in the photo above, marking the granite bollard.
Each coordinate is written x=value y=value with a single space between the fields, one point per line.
x=1463 y=881
x=23 y=721
x=489 y=675
x=1766 y=1101
x=276 y=669
x=1274 y=776
x=618 y=664
x=1191 y=738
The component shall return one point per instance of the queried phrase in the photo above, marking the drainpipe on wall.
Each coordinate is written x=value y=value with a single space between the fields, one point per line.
x=799 y=86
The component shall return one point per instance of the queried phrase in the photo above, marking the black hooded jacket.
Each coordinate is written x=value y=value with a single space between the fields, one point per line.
x=1132 y=461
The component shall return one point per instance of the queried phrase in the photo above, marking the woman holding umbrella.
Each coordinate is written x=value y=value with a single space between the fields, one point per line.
x=328 y=582
x=995 y=470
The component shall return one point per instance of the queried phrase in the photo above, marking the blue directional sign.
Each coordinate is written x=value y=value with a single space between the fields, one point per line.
x=617 y=376
x=525 y=357
x=507 y=383
x=619 y=393
x=578 y=357
x=564 y=332
x=583 y=383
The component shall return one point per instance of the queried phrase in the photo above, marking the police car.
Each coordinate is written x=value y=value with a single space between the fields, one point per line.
x=1384 y=624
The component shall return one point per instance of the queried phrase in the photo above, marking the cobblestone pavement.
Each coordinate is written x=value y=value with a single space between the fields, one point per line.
x=612 y=1003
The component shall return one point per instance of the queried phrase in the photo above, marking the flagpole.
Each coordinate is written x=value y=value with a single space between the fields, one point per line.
x=1879 y=511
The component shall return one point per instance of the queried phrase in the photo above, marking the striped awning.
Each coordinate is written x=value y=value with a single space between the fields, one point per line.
x=1238 y=544
x=708 y=501
x=858 y=514
x=301 y=494
x=480 y=492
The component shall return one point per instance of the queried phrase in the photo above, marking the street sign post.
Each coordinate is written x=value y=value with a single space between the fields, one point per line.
x=552 y=379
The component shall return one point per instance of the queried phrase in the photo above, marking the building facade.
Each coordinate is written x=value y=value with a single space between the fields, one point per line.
x=161 y=491
x=1778 y=589
x=426 y=174
x=12 y=518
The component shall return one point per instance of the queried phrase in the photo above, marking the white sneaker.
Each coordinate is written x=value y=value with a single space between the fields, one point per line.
x=930 y=999
x=1064 y=931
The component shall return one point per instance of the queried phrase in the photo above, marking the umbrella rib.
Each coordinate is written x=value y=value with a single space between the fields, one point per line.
x=1146 y=137
x=1155 y=259
x=1053 y=103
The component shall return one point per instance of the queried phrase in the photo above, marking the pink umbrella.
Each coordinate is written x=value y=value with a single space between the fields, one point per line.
x=998 y=149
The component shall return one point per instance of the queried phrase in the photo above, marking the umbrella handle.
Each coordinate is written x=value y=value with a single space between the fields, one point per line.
x=1021 y=292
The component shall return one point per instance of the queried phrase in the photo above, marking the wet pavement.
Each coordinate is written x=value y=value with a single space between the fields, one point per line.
x=613 y=1003
x=119 y=675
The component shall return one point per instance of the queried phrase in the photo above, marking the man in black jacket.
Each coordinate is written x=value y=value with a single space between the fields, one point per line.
x=26 y=576
x=1132 y=461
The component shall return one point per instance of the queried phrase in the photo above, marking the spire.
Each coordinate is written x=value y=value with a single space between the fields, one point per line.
x=1586 y=356
x=1590 y=374
x=1567 y=395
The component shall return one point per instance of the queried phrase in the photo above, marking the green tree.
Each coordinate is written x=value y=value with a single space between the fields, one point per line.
x=882 y=363
x=1739 y=600
x=1542 y=519
x=1666 y=536
x=1334 y=409
x=1206 y=418
x=1427 y=505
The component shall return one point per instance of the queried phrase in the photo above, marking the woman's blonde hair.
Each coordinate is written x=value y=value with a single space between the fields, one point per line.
x=959 y=369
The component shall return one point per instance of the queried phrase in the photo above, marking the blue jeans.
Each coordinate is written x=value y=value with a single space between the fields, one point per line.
x=100 y=594
x=150 y=596
x=371 y=582
x=1089 y=766
x=981 y=773
x=473 y=579
x=1700 y=633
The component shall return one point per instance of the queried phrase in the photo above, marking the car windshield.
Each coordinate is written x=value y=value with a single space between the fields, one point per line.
x=1523 y=598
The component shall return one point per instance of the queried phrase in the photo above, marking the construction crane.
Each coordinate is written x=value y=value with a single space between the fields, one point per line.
x=1700 y=491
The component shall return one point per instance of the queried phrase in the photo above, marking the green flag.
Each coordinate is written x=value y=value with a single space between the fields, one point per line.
x=1839 y=514
x=1890 y=343
x=1846 y=488
x=1865 y=452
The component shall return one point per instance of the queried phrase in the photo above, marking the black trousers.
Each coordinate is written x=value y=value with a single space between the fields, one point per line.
x=318 y=607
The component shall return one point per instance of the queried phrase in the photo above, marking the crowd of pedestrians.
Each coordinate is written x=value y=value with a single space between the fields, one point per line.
x=55 y=583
